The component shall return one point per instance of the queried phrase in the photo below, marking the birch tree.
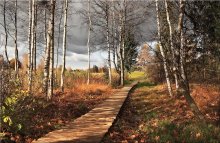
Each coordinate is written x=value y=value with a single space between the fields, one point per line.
x=35 y=37
x=121 y=46
x=108 y=42
x=182 y=71
x=45 y=28
x=30 y=49
x=15 y=41
x=88 y=40
x=64 y=46
x=5 y=30
x=58 y=38
x=114 y=35
x=174 y=59
x=51 y=46
x=164 y=58
x=33 y=30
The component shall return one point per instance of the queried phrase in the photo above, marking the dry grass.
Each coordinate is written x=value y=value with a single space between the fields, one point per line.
x=208 y=98
x=92 y=89
x=150 y=115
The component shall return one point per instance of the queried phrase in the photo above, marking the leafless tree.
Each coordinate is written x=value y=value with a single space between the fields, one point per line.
x=88 y=42
x=15 y=41
x=174 y=59
x=64 y=45
x=5 y=30
x=182 y=71
x=30 y=78
x=164 y=58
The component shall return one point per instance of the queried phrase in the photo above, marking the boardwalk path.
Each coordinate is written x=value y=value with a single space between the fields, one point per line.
x=91 y=127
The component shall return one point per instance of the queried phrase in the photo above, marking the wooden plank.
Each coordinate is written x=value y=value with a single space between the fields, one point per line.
x=91 y=127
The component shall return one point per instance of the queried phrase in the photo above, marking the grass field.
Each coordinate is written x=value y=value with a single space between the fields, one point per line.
x=151 y=116
x=135 y=76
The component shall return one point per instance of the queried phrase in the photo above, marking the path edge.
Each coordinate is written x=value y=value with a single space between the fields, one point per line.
x=134 y=85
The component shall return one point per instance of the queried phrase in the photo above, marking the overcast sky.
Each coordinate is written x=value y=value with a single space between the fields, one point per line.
x=77 y=39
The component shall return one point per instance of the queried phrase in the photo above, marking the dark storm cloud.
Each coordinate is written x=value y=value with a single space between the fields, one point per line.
x=77 y=30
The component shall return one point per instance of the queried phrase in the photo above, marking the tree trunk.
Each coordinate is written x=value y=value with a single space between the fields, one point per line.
x=88 y=42
x=47 y=56
x=45 y=29
x=123 y=36
x=174 y=59
x=108 y=45
x=162 y=52
x=183 y=74
x=58 y=43
x=114 y=35
x=35 y=39
x=6 y=33
x=121 y=52
x=32 y=35
x=64 y=46
x=15 y=42
x=51 y=46
x=29 y=49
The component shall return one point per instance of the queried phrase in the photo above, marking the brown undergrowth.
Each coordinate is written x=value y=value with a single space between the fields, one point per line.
x=37 y=116
x=150 y=115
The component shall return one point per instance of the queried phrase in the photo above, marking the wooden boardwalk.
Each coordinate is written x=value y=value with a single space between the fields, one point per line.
x=91 y=127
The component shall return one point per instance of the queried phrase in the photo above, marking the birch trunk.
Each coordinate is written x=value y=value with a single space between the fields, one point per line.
x=64 y=46
x=29 y=49
x=45 y=29
x=183 y=74
x=51 y=46
x=114 y=45
x=58 y=41
x=162 y=52
x=35 y=39
x=108 y=44
x=15 y=42
x=119 y=49
x=32 y=35
x=88 y=42
x=174 y=59
x=121 y=46
x=47 y=57
x=123 y=37
x=6 y=33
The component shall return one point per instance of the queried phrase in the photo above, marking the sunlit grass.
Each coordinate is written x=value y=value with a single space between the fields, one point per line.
x=152 y=116
x=137 y=75
x=170 y=120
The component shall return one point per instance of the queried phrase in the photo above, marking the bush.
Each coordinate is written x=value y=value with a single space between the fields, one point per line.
x=10 y=109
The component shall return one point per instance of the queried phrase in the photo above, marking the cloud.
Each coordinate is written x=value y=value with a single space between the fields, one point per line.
x=77 y=38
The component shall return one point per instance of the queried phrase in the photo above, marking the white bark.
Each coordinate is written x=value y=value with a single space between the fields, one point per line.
x=175 y=65
x=58 y=39
x=114 y=31
x=51 y=46
x=162 y=51
x=108 y=44
x=35 y=39
x=121 y=51
x=64 y=46
x=33 y=36
x=15 y=42
x=47 y=56
x=29 y=49
x=88 y=42
x=45 y=29
x=5 y=30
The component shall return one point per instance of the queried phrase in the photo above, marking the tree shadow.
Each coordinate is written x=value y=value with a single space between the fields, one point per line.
x=147 y=84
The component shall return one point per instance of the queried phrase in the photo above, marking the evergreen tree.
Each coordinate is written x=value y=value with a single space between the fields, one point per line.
x=131 y=51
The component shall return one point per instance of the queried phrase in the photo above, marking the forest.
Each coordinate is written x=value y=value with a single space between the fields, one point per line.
x=154 y=63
